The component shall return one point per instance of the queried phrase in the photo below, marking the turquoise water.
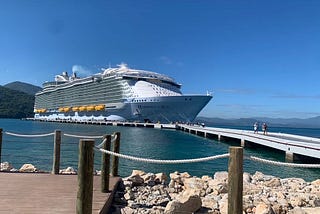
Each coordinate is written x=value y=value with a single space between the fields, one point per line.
x=140 y=142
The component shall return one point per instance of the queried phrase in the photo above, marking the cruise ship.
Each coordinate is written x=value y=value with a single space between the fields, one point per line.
x=117 y=94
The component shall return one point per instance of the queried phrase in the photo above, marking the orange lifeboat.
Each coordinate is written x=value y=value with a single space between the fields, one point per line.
x=61 y=109
x=66 y=109
x=99 y=107
x=75 y=108
x=41 y=110
x=90 y=108
x=82 y=108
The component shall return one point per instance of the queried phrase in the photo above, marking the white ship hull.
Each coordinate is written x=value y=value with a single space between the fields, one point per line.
x=164 y=109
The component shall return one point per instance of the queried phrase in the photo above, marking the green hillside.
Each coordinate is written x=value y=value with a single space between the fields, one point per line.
x=15 y=104
x=23 y=87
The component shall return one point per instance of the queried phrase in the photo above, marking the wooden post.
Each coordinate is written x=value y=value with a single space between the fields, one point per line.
x=115 y=160
x=0 y=144
x=235 y=180
x=56 y=152
x=105 y=165
x=85 y=177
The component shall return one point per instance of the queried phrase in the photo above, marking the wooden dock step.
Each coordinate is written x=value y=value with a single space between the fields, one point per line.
x=45 y=193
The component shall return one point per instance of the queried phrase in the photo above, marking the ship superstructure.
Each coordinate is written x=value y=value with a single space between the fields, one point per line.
x=117 y=94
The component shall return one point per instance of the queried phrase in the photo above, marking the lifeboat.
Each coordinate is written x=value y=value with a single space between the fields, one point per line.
x=82 y=108
x=66 y=109
x=90 y=108
x=41 y=110
x=61 y=109
x=99 y=107
x=75 y=108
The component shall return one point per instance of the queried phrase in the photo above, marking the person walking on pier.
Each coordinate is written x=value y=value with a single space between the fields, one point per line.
x=255 y=127
x=264 y=128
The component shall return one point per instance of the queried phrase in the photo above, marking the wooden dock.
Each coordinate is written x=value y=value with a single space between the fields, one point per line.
x=295 y=146
x=46 y=193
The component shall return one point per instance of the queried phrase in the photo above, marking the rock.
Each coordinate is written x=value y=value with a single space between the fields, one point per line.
x=149 y=179
x=274 y=182
x=185 y=204
x=136 y=180
x=129 y=196
x=137 y=172
x=68 y=171
x=195 y=184
x=176 y=177
x=6 y=166
x=28 y=168
x=263 y=208
x=161 y=178
x=185 y=175
x=209 y=202
x=316 y=182
x=221 y=176
x=298 y=201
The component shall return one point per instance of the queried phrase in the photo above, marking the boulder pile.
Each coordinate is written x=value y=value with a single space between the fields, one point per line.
x=143 y=192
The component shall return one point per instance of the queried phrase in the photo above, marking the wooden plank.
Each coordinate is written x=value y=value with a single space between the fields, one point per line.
x=45 y=193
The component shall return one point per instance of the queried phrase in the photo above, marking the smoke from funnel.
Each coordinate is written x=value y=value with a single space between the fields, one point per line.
x=81 y=71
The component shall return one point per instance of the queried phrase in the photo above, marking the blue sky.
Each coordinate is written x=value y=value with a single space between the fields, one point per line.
x=259 y=58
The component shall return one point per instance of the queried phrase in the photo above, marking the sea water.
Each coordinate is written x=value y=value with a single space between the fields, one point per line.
x=140 y=142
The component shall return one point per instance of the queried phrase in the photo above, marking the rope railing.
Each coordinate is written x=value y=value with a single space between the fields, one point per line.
x=82 y=136
x=277 y=163
x=158 y=161
x=29 y=135
x=148 y=160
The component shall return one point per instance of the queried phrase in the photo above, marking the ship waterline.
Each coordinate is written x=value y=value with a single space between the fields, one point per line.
x=117 y=94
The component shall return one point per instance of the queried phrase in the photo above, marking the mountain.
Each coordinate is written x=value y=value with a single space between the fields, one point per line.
x=313 y=122
x=23 y=87
x=15 y=104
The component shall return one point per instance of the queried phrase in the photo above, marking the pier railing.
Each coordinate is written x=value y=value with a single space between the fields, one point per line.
x=86 y=166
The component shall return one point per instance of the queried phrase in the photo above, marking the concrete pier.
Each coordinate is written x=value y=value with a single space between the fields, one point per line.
x=294 y=146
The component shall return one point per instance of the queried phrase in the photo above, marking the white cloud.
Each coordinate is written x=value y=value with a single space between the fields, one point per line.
x=81 y=70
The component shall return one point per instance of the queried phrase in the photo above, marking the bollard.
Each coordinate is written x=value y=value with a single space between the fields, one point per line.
x=85 y=177
x=235 y=180
x=105 y=165
x=0 y=145
x=115 y=160
x=56 y=152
